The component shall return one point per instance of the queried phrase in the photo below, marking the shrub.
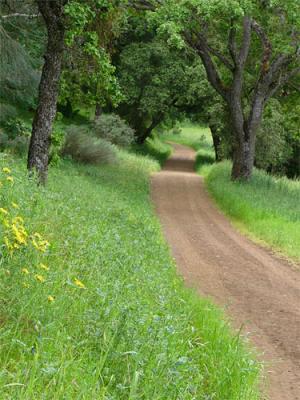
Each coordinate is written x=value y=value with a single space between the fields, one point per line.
x=57 y=143
x=114 y=129
x=15 y=127
x=87 y=149
x=7 y=111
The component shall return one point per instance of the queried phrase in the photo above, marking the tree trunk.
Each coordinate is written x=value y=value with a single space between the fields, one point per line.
x=216 y=142
x=243 y=159
x=38 y=155
x=98 y=111
x=143 y=135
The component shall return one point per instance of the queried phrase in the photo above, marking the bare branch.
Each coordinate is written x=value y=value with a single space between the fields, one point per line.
x=20 y=15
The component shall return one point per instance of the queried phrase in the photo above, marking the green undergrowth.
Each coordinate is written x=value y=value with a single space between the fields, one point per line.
x=268 y=207
x=154 y=148
x=102 y=314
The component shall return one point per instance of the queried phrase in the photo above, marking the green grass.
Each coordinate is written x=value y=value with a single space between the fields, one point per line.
x=154 y=148
x=267 y=208
x=192 y=135
x=134 y=331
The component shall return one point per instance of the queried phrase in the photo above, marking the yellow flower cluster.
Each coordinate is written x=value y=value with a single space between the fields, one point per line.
x=15 y=236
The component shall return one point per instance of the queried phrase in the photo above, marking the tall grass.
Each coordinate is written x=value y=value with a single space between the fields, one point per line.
x=268 y=207
x=111 y=320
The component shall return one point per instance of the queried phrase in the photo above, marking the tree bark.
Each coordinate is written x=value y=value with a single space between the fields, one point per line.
x=98 y=111
x=142 y=136
x=216 y=142
x=38 y=155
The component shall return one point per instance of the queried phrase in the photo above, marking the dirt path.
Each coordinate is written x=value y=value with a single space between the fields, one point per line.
x=259 y=290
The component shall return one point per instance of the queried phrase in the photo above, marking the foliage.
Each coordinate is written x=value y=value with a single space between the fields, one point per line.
x=15 y=136
x=7 y=111
x=113 y=129
x=152 y=79
x=20 y=58
x=57 y=143
x=92 y=27
x=82 y=147
x=110 y=318
x=15 y=127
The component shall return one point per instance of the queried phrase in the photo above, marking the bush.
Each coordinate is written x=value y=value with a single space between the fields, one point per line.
x=57 y=143
x=15 y=127
x=87 y=149
x=7 y=111
x=114 y=129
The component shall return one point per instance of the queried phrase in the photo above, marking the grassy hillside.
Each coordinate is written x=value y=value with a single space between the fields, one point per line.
x=100 y=313
x=267 y=208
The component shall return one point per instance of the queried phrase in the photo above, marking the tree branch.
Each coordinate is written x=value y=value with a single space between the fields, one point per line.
x=202 y=49
x=232 y=43
x=282 y=81
x=224 y=60
x=267 y=48
x=20 y=15
x=245 y=46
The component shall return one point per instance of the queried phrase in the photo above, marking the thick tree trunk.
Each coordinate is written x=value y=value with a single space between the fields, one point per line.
x=38 y=155
x=243 y=159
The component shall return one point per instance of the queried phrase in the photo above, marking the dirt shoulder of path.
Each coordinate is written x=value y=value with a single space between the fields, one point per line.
x=259 y=290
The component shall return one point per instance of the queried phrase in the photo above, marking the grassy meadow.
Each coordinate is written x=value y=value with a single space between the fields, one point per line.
x=91 y=305
x=267 y=208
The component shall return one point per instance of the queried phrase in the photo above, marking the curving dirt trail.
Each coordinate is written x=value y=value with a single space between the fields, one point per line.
x=259 y=290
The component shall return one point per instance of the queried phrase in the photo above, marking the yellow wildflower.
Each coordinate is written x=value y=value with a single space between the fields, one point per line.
x=44 y=267
x=25 y=271
x=3 y=211
x=18 y=220
x=20 y=235
x=6 y=223
x=6 y=170
x=50 y=299
x=10 y=179
x=36 y=234
x=16 y=246
x=15 y=205
x=40 y=278
x=79 y=283
x=7 y=243
x=26 y=285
